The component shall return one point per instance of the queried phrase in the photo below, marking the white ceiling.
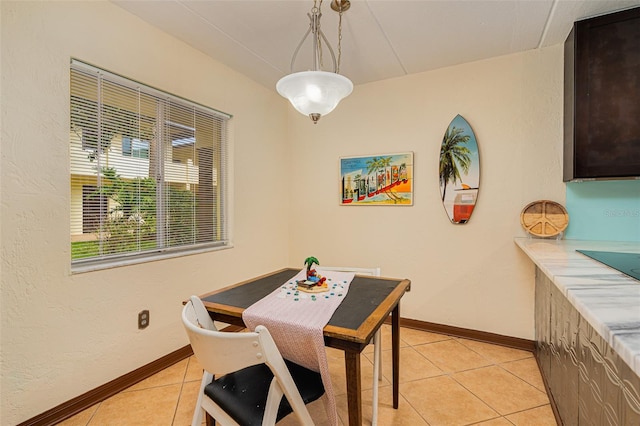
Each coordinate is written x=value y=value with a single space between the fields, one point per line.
x=381 y=39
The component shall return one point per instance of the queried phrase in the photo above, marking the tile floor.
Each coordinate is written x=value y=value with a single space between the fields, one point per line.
x=443 y=381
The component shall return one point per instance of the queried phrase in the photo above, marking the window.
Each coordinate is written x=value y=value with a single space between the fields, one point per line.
x=148 y=171
x=135 y=148
x=94 y=206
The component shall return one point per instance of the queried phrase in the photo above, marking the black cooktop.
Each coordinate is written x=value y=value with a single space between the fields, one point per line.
x=627 y=263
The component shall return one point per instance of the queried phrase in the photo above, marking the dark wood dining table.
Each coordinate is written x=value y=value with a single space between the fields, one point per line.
x=367 y=305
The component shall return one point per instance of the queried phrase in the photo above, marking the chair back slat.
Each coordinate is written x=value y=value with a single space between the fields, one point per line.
x=373 y=272
x=202 y=316
x=219 y=352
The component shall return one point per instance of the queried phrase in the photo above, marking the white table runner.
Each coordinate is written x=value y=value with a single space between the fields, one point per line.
x=296 y=321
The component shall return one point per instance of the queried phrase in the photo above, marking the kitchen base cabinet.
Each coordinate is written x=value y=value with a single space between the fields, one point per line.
x=588 y=381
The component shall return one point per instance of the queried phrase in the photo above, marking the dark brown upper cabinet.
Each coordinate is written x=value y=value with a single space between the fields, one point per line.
x=602 y=98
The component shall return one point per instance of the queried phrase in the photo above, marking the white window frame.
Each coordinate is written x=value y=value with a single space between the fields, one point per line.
x=220 y=225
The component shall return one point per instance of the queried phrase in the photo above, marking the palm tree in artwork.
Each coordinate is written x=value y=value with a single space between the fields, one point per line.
x=381 y=164
x=452 y=156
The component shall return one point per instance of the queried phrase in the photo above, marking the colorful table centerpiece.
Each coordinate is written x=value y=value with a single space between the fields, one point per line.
x=314 y=283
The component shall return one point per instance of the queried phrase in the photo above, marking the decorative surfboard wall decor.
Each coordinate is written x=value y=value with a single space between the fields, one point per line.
x=459 y=170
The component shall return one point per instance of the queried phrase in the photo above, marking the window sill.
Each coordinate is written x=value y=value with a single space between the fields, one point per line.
x=99 y=265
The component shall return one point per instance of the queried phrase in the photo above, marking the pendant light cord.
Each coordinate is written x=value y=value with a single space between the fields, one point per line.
x=339 y=40
x=318 y=37
x=318 y=34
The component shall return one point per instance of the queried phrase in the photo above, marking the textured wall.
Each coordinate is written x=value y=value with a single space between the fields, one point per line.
x=471 y=275
x=64 y=334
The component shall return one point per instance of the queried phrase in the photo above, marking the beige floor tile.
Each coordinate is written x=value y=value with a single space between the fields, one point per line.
x=186 y=404
x=339 y=354
x=501 y=390
x=387 y=339
x=82 y=418
x=405 y=415
x=334 y=353
x=527 y=369
x=318 y=413
x=413 y=366
x=338 y=374
x=408 y=337
x=499 y=421
x=153 y=406
x=416 y=337
x=168 y=376
x=540 y=416
x=368 y=349
x=442 y=401
x=451 y=356
x=194 y=370
x=444 y=381
x=496 y=353
x=367 y=373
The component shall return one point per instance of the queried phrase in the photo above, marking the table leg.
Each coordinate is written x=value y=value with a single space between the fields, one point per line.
x=395 y=346
x=354 y=387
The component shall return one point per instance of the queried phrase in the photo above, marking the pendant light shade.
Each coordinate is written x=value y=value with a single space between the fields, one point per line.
x=317 y=92
x=314 y=93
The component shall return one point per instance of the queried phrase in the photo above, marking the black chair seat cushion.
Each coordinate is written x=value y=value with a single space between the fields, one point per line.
x=243 y=394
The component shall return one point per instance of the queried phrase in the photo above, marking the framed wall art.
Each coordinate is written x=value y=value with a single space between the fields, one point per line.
x=377 y=180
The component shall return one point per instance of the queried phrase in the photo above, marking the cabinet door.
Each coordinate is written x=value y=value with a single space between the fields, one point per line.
x=588 y=381
x=630 y=385
x=563 y=378
x=592 y=380
x=602 y=97
x=542 y=321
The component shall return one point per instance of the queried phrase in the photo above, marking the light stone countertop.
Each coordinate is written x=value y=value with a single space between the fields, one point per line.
x=608 y=299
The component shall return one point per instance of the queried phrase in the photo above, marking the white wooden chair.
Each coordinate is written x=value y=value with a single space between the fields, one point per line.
x=245 y=376
x=377 y=338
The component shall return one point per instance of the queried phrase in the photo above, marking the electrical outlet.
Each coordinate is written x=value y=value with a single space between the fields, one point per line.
x=143 y=319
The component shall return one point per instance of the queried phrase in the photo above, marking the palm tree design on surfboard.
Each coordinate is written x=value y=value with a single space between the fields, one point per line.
x=459 y=170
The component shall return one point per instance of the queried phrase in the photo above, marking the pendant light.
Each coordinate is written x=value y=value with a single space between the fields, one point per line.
x=317 y=92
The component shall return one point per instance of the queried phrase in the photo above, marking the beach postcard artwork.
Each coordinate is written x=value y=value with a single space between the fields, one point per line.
x=459 y=170
x=385 y=180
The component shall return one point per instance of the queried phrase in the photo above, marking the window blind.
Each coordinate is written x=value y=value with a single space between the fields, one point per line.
x=148 y=170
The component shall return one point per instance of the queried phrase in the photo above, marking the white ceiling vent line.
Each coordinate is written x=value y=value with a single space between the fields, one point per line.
x=240 y=45
x=552 y=12
x=386 y=37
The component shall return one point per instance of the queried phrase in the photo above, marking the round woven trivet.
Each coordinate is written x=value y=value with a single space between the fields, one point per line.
x=544 y=218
